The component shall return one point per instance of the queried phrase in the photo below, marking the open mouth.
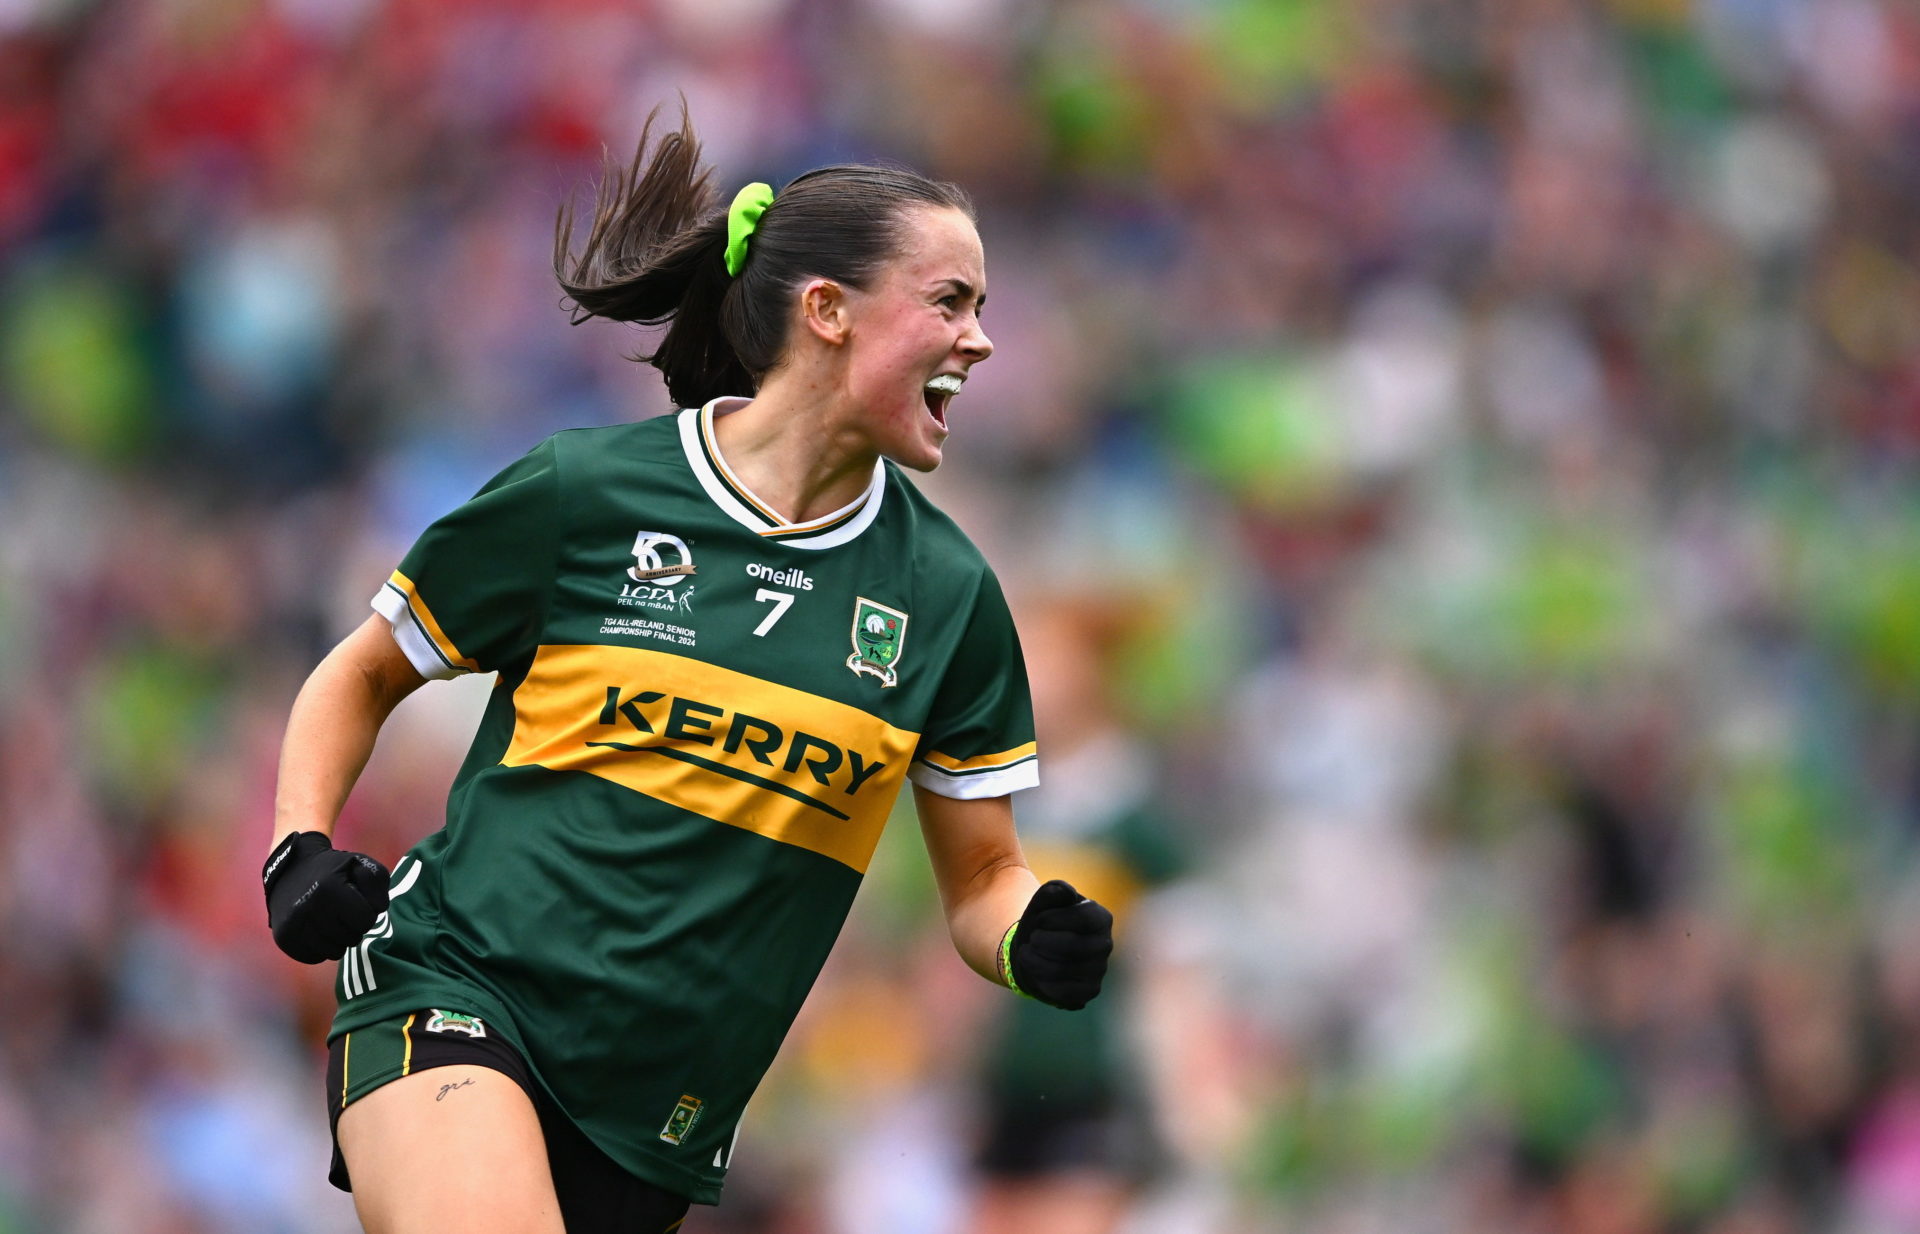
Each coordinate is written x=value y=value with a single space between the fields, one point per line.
x=938 y=393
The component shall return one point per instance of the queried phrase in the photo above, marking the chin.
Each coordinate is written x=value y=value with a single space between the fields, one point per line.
x=910 y=437
x=924 y=459
x=917 y=451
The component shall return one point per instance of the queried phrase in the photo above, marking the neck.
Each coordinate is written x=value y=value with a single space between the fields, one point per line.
x=793 y=448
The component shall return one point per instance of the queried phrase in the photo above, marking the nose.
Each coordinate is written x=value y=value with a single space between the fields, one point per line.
x=974 y=344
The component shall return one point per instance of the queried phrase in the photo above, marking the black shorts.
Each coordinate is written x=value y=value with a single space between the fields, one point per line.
x=1032 y=1139
x=596 y=1195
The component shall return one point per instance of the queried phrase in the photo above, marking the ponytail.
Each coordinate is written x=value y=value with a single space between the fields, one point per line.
x=656 y=253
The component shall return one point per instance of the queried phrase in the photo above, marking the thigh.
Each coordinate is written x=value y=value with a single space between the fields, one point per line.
x=456 y=1147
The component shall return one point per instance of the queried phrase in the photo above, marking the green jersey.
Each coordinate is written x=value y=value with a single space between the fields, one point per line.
x=702 y=720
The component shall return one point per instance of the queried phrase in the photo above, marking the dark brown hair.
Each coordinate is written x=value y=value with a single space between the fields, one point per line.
x=656 y=253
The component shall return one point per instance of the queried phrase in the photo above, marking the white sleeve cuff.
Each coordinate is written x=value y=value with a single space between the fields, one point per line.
x=420 y=651
x=969 y=786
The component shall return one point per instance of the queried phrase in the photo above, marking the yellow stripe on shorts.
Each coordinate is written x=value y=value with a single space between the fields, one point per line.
x=406 y=1059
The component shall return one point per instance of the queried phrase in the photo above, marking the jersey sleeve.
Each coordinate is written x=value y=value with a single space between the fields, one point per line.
x=978 y=740
x=473 y=592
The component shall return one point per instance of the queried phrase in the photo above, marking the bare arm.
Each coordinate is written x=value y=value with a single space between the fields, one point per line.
x=335 y=719
x=984 y=880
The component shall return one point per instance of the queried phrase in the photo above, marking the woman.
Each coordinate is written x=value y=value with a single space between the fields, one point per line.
x=723 y=639
x=1067 y=1128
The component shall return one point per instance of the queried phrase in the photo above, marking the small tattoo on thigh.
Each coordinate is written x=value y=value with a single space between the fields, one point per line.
x=447 y=1088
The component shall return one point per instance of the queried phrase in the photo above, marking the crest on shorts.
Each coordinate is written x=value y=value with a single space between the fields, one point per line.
x=681 y=1121
x=454 y=1022
x=878 y=635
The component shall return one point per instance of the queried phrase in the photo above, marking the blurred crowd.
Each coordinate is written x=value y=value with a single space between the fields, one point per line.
x=1453 y=461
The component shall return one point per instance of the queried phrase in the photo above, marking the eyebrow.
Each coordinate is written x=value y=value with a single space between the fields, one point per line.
x=964 y=288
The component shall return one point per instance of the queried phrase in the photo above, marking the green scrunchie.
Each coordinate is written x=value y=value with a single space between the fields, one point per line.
x=743 y=219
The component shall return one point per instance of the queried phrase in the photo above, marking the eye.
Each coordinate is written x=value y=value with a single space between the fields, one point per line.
x=952 y=301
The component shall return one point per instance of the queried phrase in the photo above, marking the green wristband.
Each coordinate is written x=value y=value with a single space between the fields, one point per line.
x=1004 y=962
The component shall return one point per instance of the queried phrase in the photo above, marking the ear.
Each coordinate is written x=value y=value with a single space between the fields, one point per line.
x=823 y=309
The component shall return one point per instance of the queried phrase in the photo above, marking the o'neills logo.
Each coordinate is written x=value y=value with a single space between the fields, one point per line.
x=794 y=577
x=660 y=559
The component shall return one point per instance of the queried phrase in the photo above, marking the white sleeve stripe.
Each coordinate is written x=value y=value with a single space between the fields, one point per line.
x=420 y=651
x=989 y=782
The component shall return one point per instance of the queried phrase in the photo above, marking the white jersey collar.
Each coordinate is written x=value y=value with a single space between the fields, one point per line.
x=703 y=455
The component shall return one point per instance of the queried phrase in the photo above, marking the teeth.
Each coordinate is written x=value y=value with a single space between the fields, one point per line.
x=946 y=383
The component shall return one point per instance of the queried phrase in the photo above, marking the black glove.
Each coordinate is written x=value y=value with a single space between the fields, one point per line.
x=320 y=900
x=1058 y=950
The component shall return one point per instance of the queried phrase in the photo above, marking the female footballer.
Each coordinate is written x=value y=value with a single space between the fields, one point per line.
x=724 y=639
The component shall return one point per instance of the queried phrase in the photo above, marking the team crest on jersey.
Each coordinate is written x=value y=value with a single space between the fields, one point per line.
x=681 y=1121
x=879 y=633
x=454 y=1022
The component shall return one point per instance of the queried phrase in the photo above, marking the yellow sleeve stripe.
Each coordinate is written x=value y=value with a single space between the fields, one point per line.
x=981 y=762
x=423 y=618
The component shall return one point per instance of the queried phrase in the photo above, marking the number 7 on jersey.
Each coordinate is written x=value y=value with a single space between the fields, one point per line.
x=782 y=601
